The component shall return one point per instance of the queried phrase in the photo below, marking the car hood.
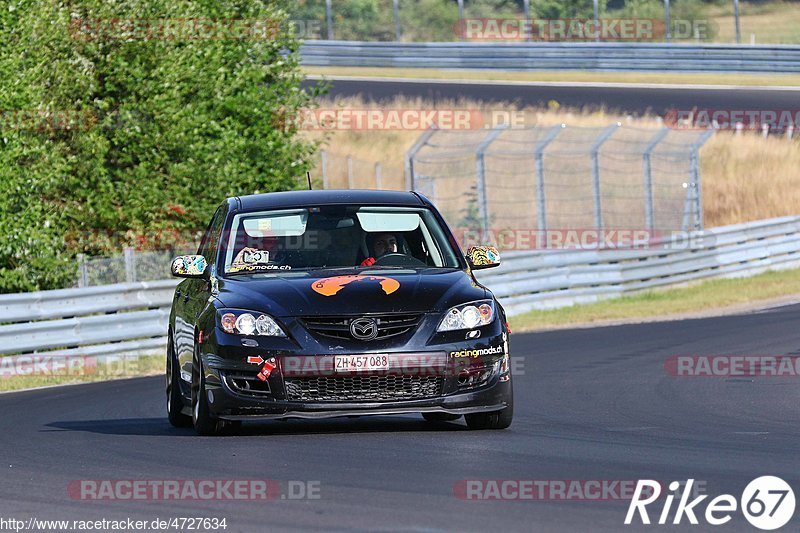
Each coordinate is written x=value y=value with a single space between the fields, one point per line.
x=341 y=292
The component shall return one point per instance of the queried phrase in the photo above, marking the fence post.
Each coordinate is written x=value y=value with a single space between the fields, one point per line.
x=461 y=20
x=738 y=26
x=397 y=29
x=694 y=194
x=480 y=174
x=596 y=20
x=329 y=18
x=412 y=153
x=538 y=154
x=526 y=9
x=648 y=178
x=83 y=271
x=667 y=21
x=595 y=154
x=349 y=171
x=130 y=264
x=378 y=184
x=324 y=163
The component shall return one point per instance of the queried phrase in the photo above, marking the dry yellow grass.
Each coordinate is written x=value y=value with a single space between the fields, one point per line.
x=766 y=22
x=745 y=177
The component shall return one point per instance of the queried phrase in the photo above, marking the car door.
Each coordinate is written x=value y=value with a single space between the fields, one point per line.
x=195 y=293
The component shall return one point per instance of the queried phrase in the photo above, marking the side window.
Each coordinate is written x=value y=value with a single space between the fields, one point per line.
x=216 y=229
x=207 y=244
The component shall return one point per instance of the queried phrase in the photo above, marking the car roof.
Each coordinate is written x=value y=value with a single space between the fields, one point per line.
x=327 y=197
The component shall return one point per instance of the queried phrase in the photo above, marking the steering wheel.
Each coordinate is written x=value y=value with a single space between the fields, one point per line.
x=398 y=259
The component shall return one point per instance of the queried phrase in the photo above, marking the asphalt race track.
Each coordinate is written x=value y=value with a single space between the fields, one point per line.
x=627 y=99
x=591 y=404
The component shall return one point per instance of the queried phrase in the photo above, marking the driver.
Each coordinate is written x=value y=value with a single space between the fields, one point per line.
x=382 y=244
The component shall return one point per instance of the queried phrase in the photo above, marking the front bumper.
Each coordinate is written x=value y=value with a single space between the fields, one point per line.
x=471 y=376
x=229 y=405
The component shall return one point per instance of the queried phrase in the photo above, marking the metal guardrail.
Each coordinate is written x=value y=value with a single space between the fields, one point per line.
x=126 y=318
x=108 y=319
x=555 y=56
x=550 y=279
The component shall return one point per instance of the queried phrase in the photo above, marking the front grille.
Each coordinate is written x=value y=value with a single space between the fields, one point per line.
x=362 y=388
x=339 y=326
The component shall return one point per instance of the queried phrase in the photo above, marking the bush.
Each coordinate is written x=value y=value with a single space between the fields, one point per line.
x=160 y=130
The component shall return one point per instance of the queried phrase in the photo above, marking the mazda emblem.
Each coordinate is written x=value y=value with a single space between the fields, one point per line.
x=364 y=329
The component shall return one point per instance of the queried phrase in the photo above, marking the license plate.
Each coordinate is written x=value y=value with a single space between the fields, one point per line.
x=356 y=363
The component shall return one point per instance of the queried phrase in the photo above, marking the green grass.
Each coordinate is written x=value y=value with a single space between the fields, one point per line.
x=149 y=365
x=564 y=76
x=704 y=296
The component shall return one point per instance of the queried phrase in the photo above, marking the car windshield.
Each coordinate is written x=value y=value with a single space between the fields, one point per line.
x=336 y=237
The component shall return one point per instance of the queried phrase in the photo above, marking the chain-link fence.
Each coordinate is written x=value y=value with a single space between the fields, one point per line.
x=728 y=21
x=129 y=267
x=558 y=177
x=347 y=172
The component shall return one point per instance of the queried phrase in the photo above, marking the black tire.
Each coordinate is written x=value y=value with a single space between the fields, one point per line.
x=204 y=422
x=175 y=413
x=493 y=420
x=440 y=417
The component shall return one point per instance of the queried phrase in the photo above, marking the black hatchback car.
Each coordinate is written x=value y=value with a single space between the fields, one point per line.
x=316 y=304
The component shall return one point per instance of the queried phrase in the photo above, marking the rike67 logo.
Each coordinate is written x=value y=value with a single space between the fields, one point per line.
x=767 y=503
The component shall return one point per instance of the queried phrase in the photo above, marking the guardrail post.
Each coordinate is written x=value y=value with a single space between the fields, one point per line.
x=694 y=195
x=378 y=176
x=129 y=256
x=538 y=154
x=412 y=153
x=480 y=174
x=648 y=178
x=324 y=164
x=595 y=153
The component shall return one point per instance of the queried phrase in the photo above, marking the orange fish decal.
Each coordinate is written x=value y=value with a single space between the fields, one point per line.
x=331 y=286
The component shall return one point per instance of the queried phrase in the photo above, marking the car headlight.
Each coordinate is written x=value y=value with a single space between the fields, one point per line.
x=468 y=316
x=246 y=323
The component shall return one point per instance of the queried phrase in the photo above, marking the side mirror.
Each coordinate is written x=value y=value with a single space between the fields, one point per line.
x=189 y=266
x=480 y=257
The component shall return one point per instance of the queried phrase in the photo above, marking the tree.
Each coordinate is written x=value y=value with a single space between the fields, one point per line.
x=170 y=106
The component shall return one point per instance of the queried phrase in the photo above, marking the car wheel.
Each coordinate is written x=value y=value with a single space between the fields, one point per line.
x=493 y=420
x=440 y=417
x=174 y=400
x=204 y=422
